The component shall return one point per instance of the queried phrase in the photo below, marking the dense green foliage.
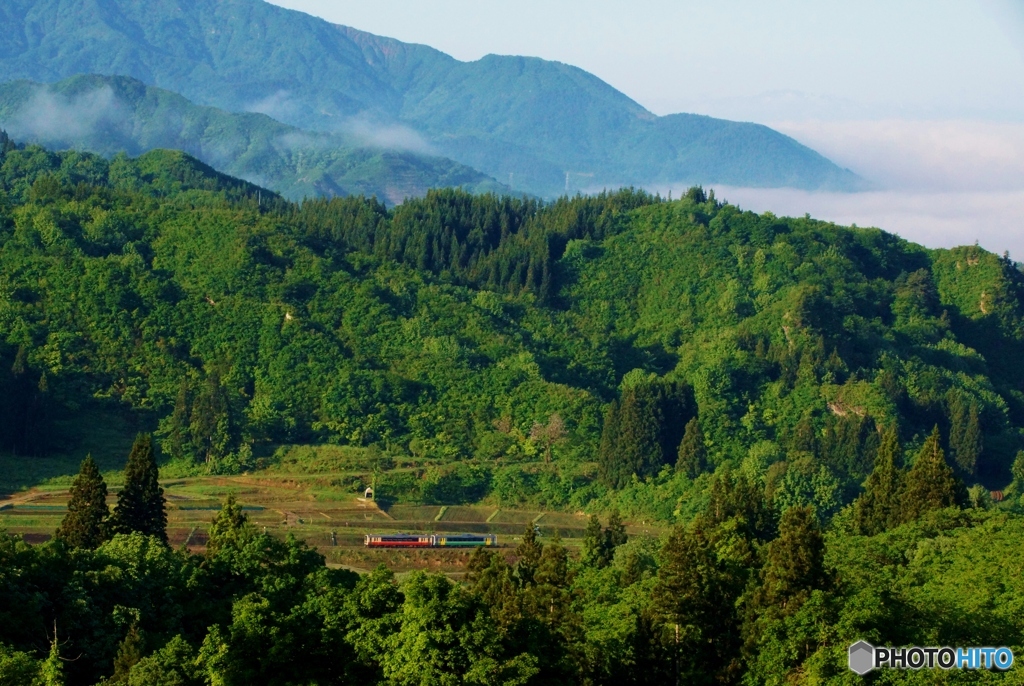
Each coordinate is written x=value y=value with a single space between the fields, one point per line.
x=753 y=372
x=109 y=115
x=140 y=502
x=86 y=524
x=718 y=601
x=489 y=337
x=521 y=119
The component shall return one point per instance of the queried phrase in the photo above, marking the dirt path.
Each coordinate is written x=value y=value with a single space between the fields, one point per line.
x=20 y=498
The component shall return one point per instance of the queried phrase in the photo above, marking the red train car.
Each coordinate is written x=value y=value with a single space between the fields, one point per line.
x=399 y=540
x=429 y=540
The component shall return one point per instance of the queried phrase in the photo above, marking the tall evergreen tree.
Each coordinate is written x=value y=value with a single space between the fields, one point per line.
x=179 y=439
x=549 y=597
x=930 y=483
x=671 y=402
x=804 y=437
x=615 y=534
x=210 y=420
x=128 y=655
x=607 y=453
x=693 y=600
x=140 y=503
x=878 y=507
x=794 y=568
x=639 y=445
x=593 y=553
x=973 y=442
x=528 y=554
x=692 y=457
x=795 y=562
x=965 y=439
x=736 y=497
x=86 y=523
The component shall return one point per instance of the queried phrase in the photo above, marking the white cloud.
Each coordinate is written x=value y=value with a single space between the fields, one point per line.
x=280 y=106
x=52 y=117
x=367 y=132
x=995 y=219
x=937 y=183
x=952 y=155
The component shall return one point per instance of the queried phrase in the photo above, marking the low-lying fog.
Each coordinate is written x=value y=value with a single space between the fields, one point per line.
x=938 y=183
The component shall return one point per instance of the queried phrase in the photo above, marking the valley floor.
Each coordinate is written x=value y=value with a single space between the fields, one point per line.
x=332 y=522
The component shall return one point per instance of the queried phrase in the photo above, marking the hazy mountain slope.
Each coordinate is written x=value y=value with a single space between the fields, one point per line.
x=523 y=116
x=108 y=115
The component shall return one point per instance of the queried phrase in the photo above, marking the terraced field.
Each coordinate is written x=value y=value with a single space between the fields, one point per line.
x=333 y=521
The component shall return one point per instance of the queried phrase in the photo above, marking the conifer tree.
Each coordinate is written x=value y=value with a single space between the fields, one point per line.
x=140 y=503
x=549 y=596
x=692 y=458
x=965 y=439
x=528 y=553
x=128 y=655
x=973 y=442
x=794 y=568
x=930 y=483
x=229 y=524
x=210 y=422
x=553 y=568
x=795 y=563
x=736 y=497
x=878 y=507
x=615 y=534
x=638 y=445
x=478 y=563
x=804 y=437
x=607 y=453
x=693 y=599
x=179 y=441
x=86 y=523
x=593 y=550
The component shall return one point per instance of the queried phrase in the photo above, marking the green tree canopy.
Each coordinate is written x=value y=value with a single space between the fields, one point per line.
x=86 y=524
x=140 y=502
x=930 y=483
x=692 y=458
x=879 y=507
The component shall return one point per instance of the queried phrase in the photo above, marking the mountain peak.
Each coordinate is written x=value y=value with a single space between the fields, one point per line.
x=526 y=117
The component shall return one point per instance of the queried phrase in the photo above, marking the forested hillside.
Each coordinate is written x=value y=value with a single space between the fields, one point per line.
x=534 y=119
x=490 y=331
x=115 y=114
x=804 y=403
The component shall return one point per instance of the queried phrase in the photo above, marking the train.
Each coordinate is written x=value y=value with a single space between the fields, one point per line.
x=430 y=540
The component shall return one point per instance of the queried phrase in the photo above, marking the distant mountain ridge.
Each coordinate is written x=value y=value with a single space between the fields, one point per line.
x=548 y=125
x=112 y=114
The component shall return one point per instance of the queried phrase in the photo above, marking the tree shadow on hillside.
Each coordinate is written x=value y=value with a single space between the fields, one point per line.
x=107 y=436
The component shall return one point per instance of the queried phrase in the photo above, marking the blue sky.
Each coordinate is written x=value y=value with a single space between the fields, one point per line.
x=738 y=58
x=923 y=98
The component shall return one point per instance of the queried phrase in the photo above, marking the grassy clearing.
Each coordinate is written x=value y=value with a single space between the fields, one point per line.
x=414 y=512
x=463 y=513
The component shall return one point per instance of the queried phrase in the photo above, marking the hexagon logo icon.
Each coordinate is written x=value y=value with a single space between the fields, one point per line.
x=862 y=657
